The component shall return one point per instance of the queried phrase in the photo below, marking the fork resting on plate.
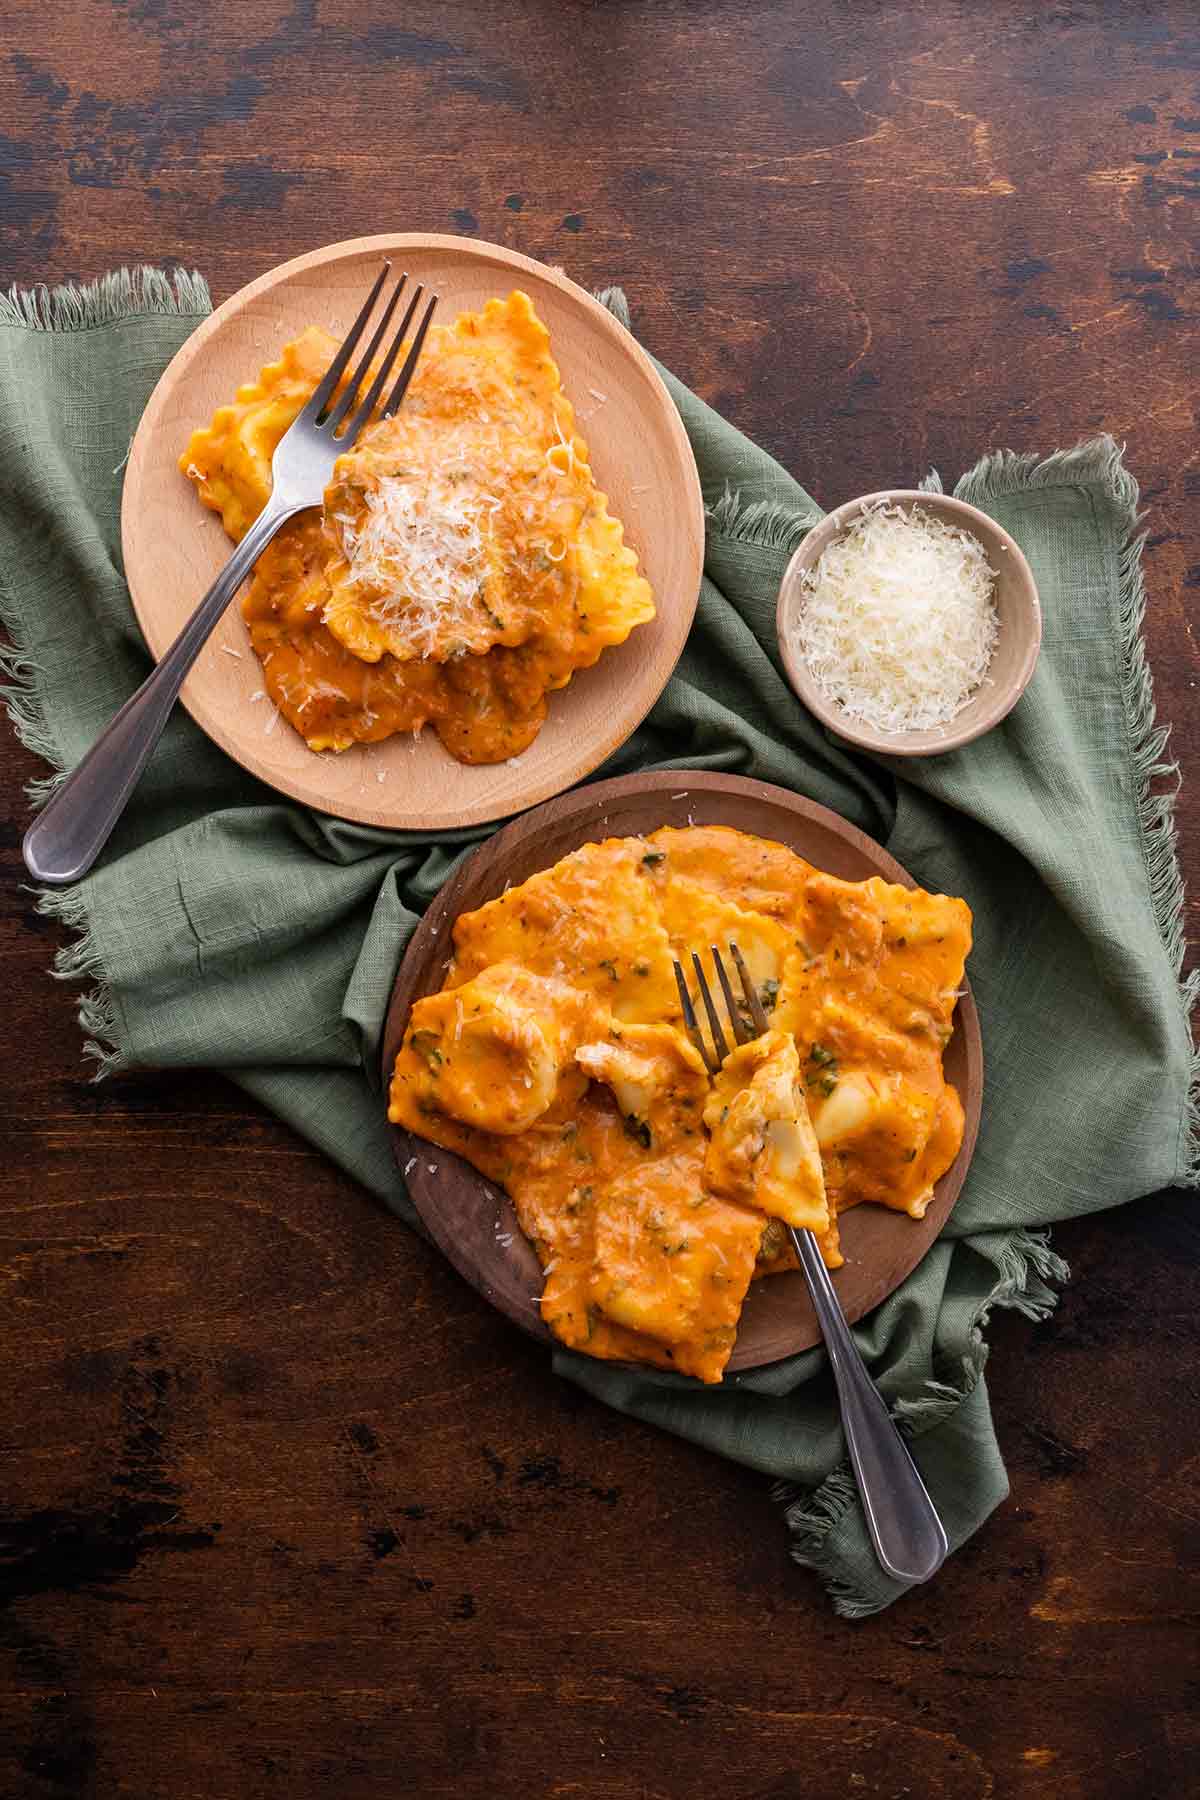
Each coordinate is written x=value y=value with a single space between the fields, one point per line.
x=909 y=1538
x=71 y=830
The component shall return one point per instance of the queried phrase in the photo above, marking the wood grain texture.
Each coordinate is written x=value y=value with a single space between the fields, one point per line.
x=640 y=457
x=287 y=1510
x=475 y=1224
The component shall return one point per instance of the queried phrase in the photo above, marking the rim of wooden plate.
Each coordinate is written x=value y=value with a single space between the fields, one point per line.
x=643 y=461
x=473 y=1222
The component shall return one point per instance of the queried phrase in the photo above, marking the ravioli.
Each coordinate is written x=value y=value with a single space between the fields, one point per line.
x=229 y=460
x=464 y=565
x=554 y=1059
x=657 y=1078
x=869 y=996
x=672 y=1263
x=592 y=919
x=491 y=1053
x=762 y=1147
x=697 y=918
x=761 y=876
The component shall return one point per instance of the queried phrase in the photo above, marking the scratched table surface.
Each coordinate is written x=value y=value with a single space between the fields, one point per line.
x=286 y=1510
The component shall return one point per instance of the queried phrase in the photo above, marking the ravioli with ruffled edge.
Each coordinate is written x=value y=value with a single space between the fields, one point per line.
x=464 y=565
x=554 y=1059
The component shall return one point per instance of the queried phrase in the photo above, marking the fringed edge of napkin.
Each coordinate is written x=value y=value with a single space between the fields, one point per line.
x=121 y=294
x=768 y=524
x=1025 y=1268
x=79 y=959
x=1101 y=461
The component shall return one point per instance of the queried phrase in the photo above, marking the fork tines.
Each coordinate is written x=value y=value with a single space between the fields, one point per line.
x=321 y=410
x=715 y=1054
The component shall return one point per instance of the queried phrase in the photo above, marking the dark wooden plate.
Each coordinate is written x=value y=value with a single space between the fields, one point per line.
x=470 y=1219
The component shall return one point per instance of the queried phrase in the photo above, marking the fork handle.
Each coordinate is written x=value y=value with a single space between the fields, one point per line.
x=71 y=830
x=909 y=1538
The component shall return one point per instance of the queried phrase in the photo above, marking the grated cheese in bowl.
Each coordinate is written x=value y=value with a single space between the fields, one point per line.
x=897 y=619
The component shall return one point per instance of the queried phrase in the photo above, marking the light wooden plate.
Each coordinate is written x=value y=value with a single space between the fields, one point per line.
x=469 y=1218
x=641 y=456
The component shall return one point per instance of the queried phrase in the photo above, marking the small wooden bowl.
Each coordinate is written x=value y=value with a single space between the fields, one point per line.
x=1012 y=662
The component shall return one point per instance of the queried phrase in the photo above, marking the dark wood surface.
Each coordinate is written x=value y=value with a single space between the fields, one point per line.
x=286 y=1508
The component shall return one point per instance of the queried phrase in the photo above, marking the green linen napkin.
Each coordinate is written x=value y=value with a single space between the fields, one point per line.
x=230 y=929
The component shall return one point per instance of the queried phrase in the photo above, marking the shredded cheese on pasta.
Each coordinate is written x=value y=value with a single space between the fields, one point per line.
x=421 y=547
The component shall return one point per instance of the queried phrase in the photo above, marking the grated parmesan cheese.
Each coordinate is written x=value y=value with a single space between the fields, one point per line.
x=420 y=547
x=898 y=620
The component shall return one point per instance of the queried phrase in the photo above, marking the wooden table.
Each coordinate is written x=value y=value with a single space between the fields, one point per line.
x=287 y=1510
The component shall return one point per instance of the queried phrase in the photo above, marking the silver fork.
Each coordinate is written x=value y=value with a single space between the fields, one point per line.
x=67 y=836
x=909 y=1538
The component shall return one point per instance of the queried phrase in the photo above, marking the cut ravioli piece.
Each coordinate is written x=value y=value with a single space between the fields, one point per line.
x=777 y=1256
x=592 y=920
x=762 y=1149
x=490 y=1053
x=657 y=1078
x=874 y=1130
x=673 y=1263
